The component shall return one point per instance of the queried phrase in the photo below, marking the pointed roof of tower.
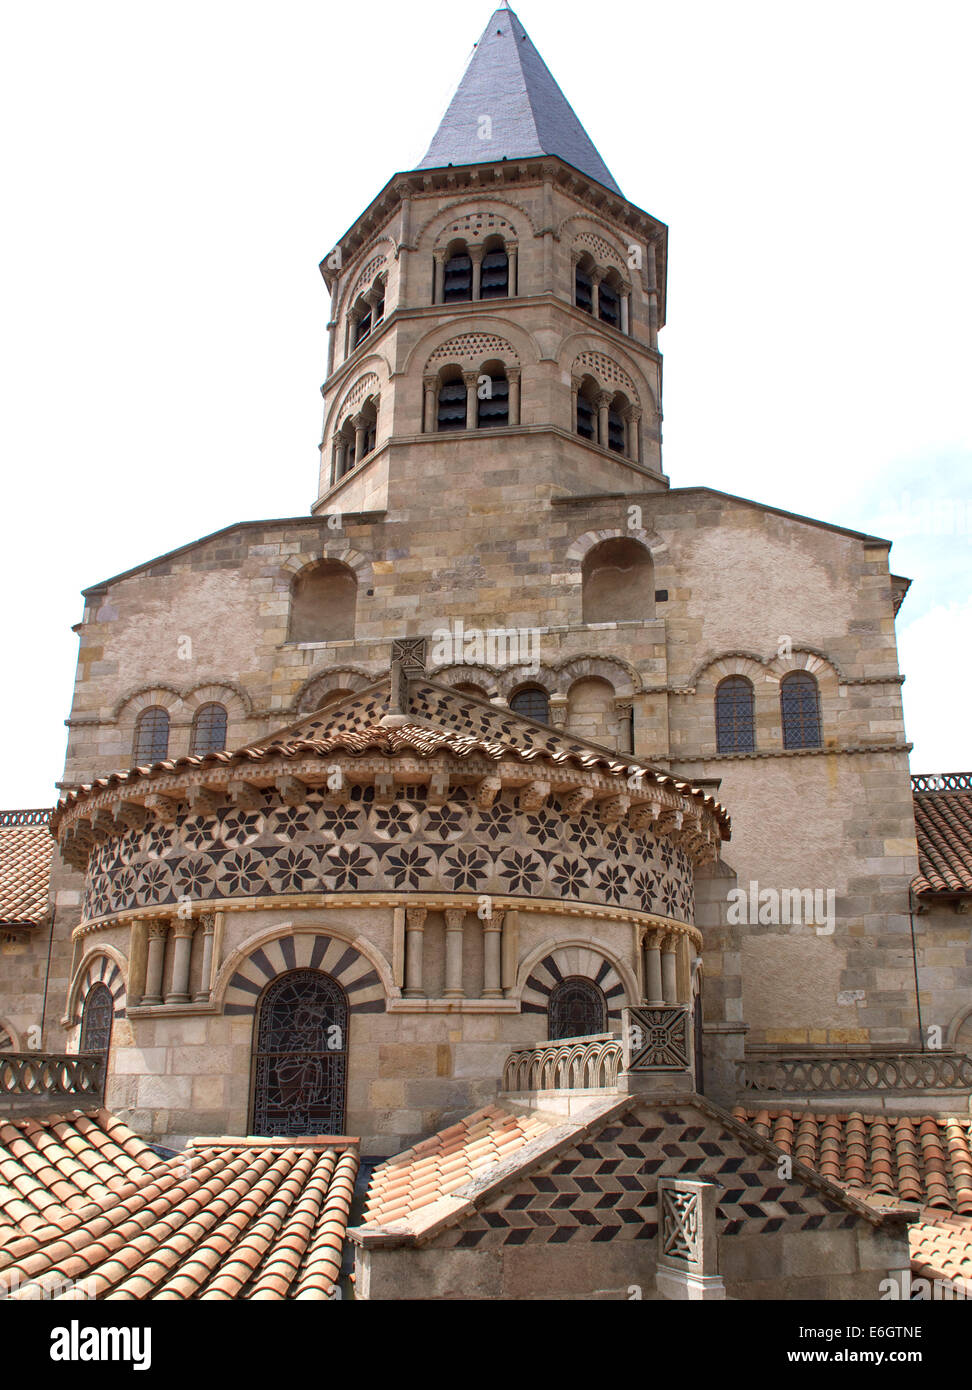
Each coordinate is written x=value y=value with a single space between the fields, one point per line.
x=508 y=81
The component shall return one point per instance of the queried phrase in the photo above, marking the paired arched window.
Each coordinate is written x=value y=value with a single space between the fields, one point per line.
x=735 y=716
x=366 y=313
x=356 y=438
x=151 y=736
x=97 y=1017
x=487 y=401
x=800 y=710
x=467 y=272
x=323 y=602
x=576 y=1008
x=618 y=582
x=300 y=1056
x=607 y=418
x=601 y=293
x=208 y=730
x=531 y=701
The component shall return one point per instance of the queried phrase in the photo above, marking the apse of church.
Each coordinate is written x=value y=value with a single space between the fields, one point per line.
x=447 y=767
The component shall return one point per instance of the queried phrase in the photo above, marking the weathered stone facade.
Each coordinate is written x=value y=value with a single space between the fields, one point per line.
x=622 y=603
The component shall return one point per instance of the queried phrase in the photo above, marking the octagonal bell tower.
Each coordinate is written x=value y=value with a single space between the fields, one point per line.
x=495 y=314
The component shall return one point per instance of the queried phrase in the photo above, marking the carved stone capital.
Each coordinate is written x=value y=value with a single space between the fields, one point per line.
x=183 y=927
x=455 y=918
x=415 y=918
x=158 y=931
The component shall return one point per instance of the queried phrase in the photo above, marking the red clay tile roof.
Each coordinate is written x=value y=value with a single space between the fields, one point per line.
x=916 y=1158
x=26 y=850
x=942 y=1248
x=441 y=1165
x=83 y=1199
x=943 y=820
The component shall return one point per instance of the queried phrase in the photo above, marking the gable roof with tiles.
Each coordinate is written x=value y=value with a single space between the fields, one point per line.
x=26 y=851
x=83 y=1199
x=943 y=823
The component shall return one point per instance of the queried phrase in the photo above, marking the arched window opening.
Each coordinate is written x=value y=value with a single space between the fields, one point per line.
x=364 y=325
x=532 y=702
x=323 y=603
x=616 y=432
x=451 y=410
x=379 y=309
x=493 y=398
x=618 y=582
x=495 y=274
x=97 y=1017
x=587 y=410
x=457 y=281
x=800 y=709
x=151 y=736
x=300 y=1056
x=208 y=730
x=735 y=716
x=584 y=285
x=609 y=300
x=576 y=1008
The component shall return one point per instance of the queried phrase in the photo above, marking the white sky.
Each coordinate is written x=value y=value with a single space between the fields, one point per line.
x=172 y=174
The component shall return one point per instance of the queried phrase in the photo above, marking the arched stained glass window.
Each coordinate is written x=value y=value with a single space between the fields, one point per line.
x=151 y=736
x=97 y=1017
x=300 y=1062
x=209 y=730
x=735 y=716
x=800 y=710
x=532 y=703
x=576 y=1008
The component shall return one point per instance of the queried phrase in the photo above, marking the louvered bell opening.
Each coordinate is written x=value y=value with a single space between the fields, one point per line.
x=615 y=432
x=458 y=279
x=495 y=279
x=585 y=418
x=609 y=305
x=349 y=459
x=364 y=328
x=495 y=409
x=452 y=406
x=584 y=291
x=380 y=310
x=370 y=440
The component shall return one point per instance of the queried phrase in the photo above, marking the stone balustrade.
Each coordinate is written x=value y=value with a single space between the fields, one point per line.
x=856 y=1072
x=587 y=1063
x=38 y=1083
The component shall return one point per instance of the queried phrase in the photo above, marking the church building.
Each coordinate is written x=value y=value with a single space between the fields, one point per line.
x=520 y=850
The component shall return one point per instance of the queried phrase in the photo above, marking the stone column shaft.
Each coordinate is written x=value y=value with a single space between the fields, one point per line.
x=438 y=292
x=428 y=419
x=653 y=970
x=492 y=947
x=669 y=969
x=414 y=950
x=476 y=256
x=208 y=926
x=511 y=256
x=603 y=427
x=155 y=963
x=182 y=954
x=455 y=918
x=472 y=399
x=513 y=377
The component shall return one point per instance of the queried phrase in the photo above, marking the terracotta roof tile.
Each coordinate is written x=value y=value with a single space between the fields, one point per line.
x=943 y=821
x=82 y=1198
x=443 y=1164
x=915 y=1158
x=941 y=1248
x=26 y=851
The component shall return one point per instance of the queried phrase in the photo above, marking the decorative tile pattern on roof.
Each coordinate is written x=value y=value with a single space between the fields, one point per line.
x=26 y=850
x=943 y=820
x=439 y=1166
x=83 y=1200
x=916 y=1158
x=508 y=80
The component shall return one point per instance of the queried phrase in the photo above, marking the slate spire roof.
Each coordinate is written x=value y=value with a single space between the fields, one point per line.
x=509 y=82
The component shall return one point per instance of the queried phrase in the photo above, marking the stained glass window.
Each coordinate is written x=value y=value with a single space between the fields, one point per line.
x=576 y=1008
x=301 y=1056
